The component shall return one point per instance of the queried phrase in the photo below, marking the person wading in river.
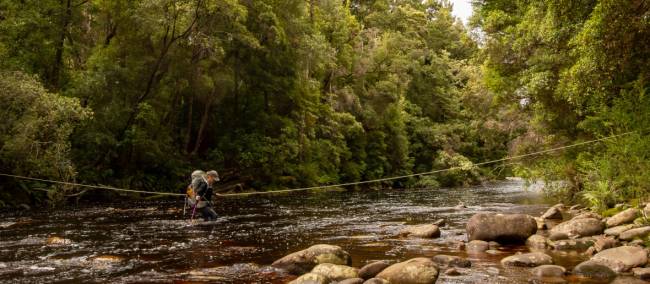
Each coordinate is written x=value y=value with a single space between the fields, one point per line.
x=203 y=191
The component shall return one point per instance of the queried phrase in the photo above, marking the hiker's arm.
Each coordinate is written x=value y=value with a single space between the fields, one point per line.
x=200 y=190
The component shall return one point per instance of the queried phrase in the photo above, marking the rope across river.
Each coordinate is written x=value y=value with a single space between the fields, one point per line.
x=324 y=186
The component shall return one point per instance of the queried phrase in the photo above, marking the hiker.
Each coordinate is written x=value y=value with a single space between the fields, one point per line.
x=202 y=187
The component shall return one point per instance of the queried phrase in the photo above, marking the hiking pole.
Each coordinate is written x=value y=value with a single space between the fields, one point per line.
x=193 y=212
x=184 y=206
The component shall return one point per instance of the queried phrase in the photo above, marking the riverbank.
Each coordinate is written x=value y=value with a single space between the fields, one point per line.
x=614 y=249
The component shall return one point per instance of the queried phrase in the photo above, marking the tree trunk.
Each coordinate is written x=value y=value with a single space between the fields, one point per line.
x=190 y=114
x=204 y=122
x=58 y=54
x=266 y=102
x=311 y=11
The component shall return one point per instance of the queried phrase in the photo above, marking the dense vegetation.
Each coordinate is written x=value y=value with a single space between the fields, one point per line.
x=288 y=93
x=272 y=93
x=582 y=70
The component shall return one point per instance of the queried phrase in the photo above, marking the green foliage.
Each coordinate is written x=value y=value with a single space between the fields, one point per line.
x=581 y=69
x=275 y=93
x=35 y=136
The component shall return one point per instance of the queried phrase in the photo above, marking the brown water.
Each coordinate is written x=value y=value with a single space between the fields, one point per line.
x=153 y=243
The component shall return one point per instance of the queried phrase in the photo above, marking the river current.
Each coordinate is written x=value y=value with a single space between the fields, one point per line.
x=152 y=242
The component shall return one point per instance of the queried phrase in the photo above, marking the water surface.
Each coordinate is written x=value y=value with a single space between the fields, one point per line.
x=153 y=243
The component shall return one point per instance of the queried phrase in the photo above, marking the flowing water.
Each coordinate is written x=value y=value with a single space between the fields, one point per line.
x=152 y=243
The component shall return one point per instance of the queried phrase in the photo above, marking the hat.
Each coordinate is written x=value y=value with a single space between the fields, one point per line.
x=214 y=174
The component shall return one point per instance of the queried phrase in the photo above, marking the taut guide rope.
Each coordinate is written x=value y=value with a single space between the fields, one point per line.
x=324 y=186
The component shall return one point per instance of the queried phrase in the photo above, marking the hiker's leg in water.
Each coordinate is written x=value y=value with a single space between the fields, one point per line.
x=208 y=213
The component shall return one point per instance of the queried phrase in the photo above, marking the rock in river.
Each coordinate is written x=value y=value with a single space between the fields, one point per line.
x=336 y=272
x=635 y=233
x=616 y=231
x=422 y=231
x=592 y=269
x=603 y=242
x=622 y=259
x=583 y=227
x=477 y=246
x=352 y=281
x=372 y=269
x=452 y=272
x=503 y=228
x=536 y=242
x=588 y=215
x=556 y=236
x=414 y=271
x=58 y=241
x=573 y=244
x=310 y=278
x=376 y=281
x=623 y=217
x=553 y=213
x=527 y=259
x=548 y=270
x=450 y=260
x=303 y=261
x=643 y=273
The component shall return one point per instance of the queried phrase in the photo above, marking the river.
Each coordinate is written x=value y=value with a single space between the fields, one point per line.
x=151 y=242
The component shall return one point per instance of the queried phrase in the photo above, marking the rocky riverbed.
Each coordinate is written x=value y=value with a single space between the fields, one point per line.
x=360 y=232
x=614 y=249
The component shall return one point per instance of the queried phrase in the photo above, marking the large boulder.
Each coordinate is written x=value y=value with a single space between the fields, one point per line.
x=527 y=259
x=592 y=269
x=303 y=261
x=623 y=217
x=370 y=270
x=622 y=259
x=336 y=272
x=583 y=227
x=422 y=231
x=503 y=228
x=414 y=271
x=616 y=231
x=310 y=278
x=635 y=233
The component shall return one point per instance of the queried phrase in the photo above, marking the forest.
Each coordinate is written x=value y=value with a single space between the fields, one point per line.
x=280 y=94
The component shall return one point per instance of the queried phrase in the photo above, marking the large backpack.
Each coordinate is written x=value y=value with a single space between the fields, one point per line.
x=191 y=189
